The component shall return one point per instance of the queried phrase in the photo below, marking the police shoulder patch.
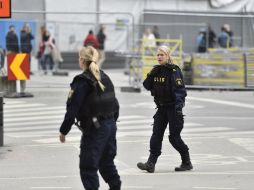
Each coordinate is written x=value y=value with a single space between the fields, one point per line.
x=70 y=93
x=179 y=82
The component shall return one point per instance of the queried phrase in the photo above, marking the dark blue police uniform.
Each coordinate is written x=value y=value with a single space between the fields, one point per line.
x=167 y=87
x=96 y=112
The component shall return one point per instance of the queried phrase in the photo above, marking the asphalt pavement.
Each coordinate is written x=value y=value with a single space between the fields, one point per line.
x=219 y=130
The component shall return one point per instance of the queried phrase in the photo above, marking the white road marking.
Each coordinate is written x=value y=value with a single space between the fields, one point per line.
x=138 y=173
x=192 y=173
x=246 y=143
x=186 y=130
x=56 y=139
x=230 y=103
x=30 y=178
x=149 y=126
x=34 y=118
x=45 y=122
x=55 y=145
x=50 y=187
x=152 y=105
x=150 y=121
x=33 y=109
x=137 y=187
x=22 y=105
x=130 y=117
x=7 y=102
x=144 y=133
x=207 y=159
x=38 y=125
x=118 y=162
x=241 y=159
x=37 y=113
x=28 y=128
x=205 y=129
x=134 y=122
x=220 y=117
x=215 y=188
x=28 y=133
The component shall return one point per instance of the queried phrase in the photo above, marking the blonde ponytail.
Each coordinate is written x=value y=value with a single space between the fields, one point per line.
x=91 y=57
x=94 y=69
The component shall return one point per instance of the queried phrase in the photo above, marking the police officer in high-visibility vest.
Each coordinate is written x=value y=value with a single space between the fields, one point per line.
x=93 y=107
x=165 y=82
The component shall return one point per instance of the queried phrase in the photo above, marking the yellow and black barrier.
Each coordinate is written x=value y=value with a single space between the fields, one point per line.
x=249 y=60
x=219 y=69
x=231 y=67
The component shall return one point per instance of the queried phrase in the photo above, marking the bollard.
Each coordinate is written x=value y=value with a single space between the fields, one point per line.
x=1 y=120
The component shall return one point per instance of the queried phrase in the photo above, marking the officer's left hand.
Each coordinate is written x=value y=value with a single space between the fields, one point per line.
x=179 y=113
x=62 y=138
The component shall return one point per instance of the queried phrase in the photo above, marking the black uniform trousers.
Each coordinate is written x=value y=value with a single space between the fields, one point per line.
x=167 y=115
x=97 y=152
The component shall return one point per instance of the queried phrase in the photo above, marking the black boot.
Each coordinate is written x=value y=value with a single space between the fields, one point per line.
x=184 y=167
x=148 y=166
x=186 y=163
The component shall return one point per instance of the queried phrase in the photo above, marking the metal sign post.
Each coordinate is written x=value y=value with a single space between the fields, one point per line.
x=18 y=86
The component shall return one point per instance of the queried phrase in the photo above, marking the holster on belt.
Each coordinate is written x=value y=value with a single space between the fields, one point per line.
x=84 y=125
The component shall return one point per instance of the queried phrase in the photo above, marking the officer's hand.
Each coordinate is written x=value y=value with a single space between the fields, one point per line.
x=179 y=112
x=62 y=138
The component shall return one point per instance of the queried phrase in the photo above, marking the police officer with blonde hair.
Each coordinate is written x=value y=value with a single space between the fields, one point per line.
x=165 y=82
x=93 y=107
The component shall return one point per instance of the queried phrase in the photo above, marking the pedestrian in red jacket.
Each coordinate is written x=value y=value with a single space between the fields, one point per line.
x=91 y=40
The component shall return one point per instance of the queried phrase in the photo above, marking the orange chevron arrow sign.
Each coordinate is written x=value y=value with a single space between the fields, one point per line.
x=18 y=66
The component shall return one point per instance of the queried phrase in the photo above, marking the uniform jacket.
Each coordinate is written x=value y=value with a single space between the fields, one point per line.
x=176 y=82
x=76 y=103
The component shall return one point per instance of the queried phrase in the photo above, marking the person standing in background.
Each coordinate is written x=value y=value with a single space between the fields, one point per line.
x=230 y=34
x=91 y=40
x=40 y=52
x=49 y=44
x=211 y=37
x=101 y=37
x=149 y=43
x=201 y=40
x=156 y=34
x=25 y=41
x=12 y=43
x=224 y=38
